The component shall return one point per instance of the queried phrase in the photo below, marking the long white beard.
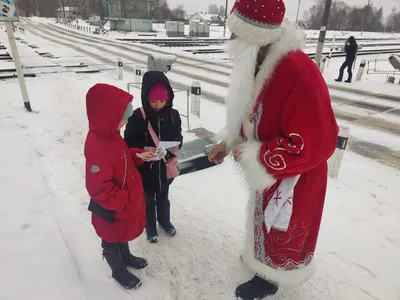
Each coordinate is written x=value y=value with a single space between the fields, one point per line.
x=239 y=101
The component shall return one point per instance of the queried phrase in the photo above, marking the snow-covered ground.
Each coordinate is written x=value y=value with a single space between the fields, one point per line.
x=50 y=250
x=70 y=47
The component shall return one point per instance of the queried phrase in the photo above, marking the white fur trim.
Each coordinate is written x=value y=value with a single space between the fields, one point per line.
x=255 y=173
x=289 y=40
x=292 y=278
x=221 y=136
x=251 y=33
x=225 y=137
x=240 y=93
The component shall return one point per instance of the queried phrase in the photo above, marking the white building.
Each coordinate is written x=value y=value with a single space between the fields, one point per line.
x=70 y=13
x=204 y=18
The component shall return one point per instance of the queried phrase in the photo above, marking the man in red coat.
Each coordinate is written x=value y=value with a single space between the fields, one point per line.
x=281 y=128
x=113 y=181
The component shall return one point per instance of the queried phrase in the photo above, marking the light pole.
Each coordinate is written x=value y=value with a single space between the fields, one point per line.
x=37 y=8
x=101 y=12
x=63 y=8
x=226 y=16
x=365 y=17
x=298 y=10
x=322 y=32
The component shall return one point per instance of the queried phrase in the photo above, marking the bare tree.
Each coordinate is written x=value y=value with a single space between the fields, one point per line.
x=27 y=8
x=313 y=17
x=396 y=25
x=82 y=8
x=339 y=17
x=213 y=9
x=162 y=10
x=221 y=12
x=179 y=13
x=376 y=20
x=47 y=8
x=393 y=21
x=366 y=18
x=345 y=17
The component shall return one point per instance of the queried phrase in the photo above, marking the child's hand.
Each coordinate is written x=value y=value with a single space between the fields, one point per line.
x=148 y=156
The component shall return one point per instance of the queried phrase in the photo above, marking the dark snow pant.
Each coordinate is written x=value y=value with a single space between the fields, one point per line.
x=157 y=208
x=349 y=65
x=109 y=247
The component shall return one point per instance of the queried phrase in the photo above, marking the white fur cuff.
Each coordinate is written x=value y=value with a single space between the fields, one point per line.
x=222 y=136
x=231 y=141
x=255 y=173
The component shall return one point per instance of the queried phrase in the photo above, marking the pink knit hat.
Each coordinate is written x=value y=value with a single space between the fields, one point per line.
x=158 y=92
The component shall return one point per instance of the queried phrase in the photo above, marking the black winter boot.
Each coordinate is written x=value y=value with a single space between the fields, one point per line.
x=152 y=235
x=113 y=256
x=255 y=289
x=130 y=260
x=168 y=228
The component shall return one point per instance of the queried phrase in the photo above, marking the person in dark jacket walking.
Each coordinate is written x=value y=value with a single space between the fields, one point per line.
x=350 y=48
x=157 y=102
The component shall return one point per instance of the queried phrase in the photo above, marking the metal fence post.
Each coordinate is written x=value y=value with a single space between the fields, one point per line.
x=335 y=161
x=330 y=51
x=138 y=75
x=120 y=70
x=361 y=69
x=188 y=108
x=195 y=98
x=322 y=69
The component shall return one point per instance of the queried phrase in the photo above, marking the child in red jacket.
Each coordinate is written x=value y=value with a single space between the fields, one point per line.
x=113 y=181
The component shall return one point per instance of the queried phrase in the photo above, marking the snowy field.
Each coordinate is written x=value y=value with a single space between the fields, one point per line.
x=50 y=250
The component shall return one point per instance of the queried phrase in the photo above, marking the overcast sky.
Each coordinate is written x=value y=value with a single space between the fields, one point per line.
x=192 y=6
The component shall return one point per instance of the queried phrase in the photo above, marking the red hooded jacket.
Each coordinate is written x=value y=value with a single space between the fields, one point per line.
x=112 y=179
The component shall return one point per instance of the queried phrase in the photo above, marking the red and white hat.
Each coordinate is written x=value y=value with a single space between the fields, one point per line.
x=257 y=21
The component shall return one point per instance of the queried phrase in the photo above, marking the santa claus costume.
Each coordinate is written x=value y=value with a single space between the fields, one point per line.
x=282 y=122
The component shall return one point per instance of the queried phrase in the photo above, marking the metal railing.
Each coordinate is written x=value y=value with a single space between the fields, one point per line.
x=373 y=68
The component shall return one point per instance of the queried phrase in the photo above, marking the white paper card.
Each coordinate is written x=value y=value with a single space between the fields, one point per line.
x=167 y=145
x=161 y=150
